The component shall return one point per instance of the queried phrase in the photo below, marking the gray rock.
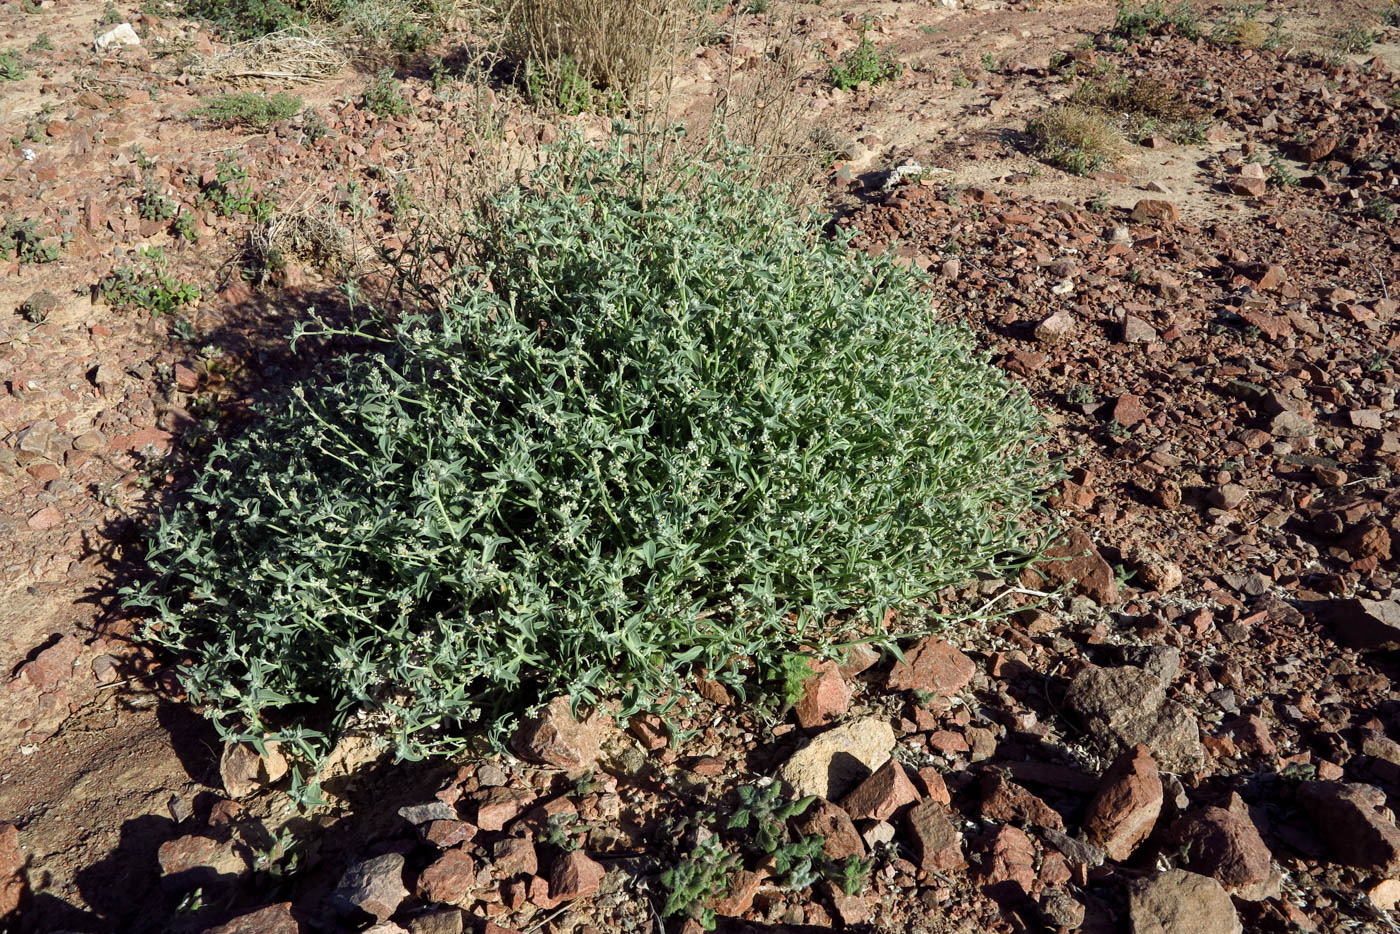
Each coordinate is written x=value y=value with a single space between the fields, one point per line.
x=1367 y=625
x=1124 y=706
x=836 y=761
x=417 y=814
x=1181 y=902
x=374 y=886
x=118 y=36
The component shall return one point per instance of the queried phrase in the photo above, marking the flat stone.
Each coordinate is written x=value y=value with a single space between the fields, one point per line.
x=835 y=761
x=1003 y=800
x=933 y=665
x=438 y=921
x=1124 y=706
x=496 y=807
x=1075 y=562
x=1180 y=902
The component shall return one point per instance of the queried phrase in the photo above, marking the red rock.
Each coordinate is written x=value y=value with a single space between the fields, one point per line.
x=881 y=795
x=649 y=731
x=1248 y=187
x=498 y=806
x=449 y=879
x=931 y=665
x=51 y=668
x=557 y=738
x=1151 y=209
x=447 y=833
x=574 y=875
x=739 y=899
x=1251 y=735
x=1180 y=902
x=45 y=519
x=186 y=379
x=1075 y=560
x=196 y=859
x=1010 y=803
x=1010 y=857
x=1024 y=362
x=936 y=841
x=494 y=928
x=825 y=696
x=1129 y=799
x=274 y=919
x=1128 y=411
x=1367 y=625
x=840 y=838
x=934 y=785
x=860 y=657
x=539 y=894
x=12 y=883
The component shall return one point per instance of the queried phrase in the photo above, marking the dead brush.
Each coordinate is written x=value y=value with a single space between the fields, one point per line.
x=1249 y=34
x=301 y=235
x=1138 y=97
x=612 y=45
x=1075 y=138
x=295 y=54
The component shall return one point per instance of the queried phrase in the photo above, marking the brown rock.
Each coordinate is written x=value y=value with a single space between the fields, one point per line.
x=274 y=919
x=515 y=856
x=450 y=878
x=825 y=696
x=244 y=771
x=1152 y=209
x=1006 y=801
x=47 y=518
x=574 y=875
x=1076 y=561
x=1180 y=902
x=1058 y=327
x=1125 y=706
x=1024 y=362
x=1316 y=149
x=1223 y=843
x=859 y=657
x=1227 y=496
x=1248 y=187
x=447 y=833
x=840 y=838
x=557 y=738
x=1352 y=819
x=739 y=899
x=932 y=665
x=936 y=841
x=834 y=762
x=881 y=795
x=1125 y=808
x=195 y=860
x=440 y=921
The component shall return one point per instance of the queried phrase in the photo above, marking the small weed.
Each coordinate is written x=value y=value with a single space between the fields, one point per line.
x=1099 y=203
x=185 y=227
x=560 y=832
x=1379 y=209
x=1281 y=174
x=1155 y=18
x=1354 y=39
x=1075 y=139
x=382 y=96
x=248 y=109
x=41 y=43
x=148 y=285
x=231 y=194
x=11 y=67
x=757 y=831
x=313 y=127
x=865 y=64
x=961 y=80
x=110 y=15
x=20 y=237
x=756 y=7
x=154 y=205
x=1389 y=15
x=1380 y=360
x=563 y=88
x=1079 y=394
x=989 y=63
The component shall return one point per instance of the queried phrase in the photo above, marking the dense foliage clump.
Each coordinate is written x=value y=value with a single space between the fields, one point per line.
x=631 y=437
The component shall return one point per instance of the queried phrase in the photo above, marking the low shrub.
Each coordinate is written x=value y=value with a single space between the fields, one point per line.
x=864 y=64
x=1077 y=139
x=248 y=109
x=644 y=427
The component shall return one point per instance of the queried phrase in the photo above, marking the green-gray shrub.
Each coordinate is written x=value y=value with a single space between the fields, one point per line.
x=631 y=437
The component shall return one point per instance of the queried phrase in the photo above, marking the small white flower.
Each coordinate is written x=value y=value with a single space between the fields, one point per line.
x=29 y=155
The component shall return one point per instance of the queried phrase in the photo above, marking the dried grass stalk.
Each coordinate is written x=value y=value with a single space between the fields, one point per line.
x=293 y=54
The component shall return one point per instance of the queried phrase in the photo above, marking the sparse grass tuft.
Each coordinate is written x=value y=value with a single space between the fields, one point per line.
x=1076 y=139
x=652 y=420
x=1136 y=21
x=248 y=109
x=11 y=66
x=1354 y=39
x=383 y=95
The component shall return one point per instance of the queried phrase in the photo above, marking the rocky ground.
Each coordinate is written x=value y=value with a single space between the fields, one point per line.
x=1185 y=721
